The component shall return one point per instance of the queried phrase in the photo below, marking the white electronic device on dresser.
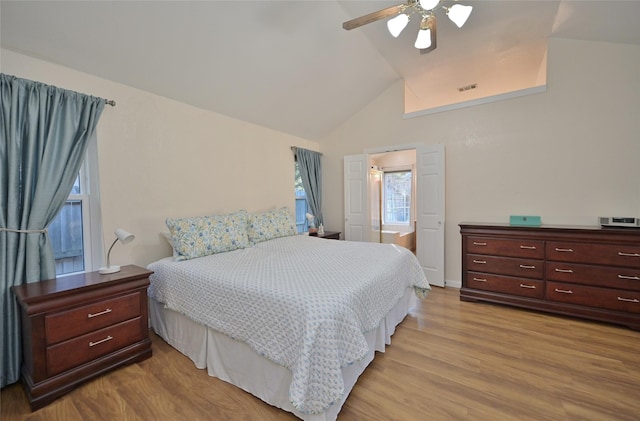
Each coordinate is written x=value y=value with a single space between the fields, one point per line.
x=618 y=221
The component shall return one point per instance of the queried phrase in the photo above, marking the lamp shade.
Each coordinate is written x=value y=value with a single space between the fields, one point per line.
x=124 y=237
x=397 y=24
x=424 y=39
x=428 y=4
x=459 y=13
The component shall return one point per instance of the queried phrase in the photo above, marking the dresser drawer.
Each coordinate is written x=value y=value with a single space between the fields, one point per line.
x=604 y=276
x=82 y=349
x=612 y=299
x=594 y=253
x=527 y=268
x=532 y=249
x=64 y=325
x=506 y=284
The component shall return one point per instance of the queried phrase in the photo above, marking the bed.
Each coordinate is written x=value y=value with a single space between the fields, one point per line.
x=291 y=319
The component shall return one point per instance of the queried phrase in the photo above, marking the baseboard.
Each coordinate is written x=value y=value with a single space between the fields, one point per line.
x=453 y=284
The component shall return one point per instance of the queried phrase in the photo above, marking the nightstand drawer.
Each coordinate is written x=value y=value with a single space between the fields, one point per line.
x=68 y=324
x=91 y=346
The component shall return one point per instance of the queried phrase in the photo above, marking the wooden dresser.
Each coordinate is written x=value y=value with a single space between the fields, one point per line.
x=77 y=327
x=588 y=272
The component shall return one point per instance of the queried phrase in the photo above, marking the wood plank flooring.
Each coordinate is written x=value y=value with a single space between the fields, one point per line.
x=449 y=360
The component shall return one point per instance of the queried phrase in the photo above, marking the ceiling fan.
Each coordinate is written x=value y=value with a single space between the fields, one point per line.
x=425 y=9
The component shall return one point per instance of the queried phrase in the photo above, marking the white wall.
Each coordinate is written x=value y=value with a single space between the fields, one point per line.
x=568 y=155
x=160 y=158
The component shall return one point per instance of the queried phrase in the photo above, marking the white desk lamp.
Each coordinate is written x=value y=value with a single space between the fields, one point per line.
x=124 y=237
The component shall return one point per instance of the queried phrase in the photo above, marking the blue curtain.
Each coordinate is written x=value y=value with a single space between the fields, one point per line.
x=311 y=175
x=44 y=133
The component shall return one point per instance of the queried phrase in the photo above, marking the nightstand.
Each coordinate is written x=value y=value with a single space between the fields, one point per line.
x=330 y=235
x=77 y=327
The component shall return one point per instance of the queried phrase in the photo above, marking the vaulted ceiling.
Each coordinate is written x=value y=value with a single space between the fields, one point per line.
x=289 y=65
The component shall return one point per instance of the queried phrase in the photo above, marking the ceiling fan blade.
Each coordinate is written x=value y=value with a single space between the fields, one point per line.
x=434 y=38
x=372 y=17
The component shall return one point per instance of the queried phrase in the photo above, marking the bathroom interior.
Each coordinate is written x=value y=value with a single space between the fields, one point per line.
x=392 y=189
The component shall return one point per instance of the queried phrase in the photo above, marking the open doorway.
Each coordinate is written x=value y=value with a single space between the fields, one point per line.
x=428 y=200
x=392 y=198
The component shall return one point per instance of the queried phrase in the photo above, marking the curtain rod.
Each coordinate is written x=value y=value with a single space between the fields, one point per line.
x=293 y=148
x=110 y=102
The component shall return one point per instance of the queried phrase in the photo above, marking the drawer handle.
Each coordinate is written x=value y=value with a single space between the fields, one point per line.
x=107 y=311
x=528 y=247
x=564 y=291
x=476 y=243
x=479 y=279
x=527 y=267
x=628 y=254
x=480 y=262
x=527 y=286
x=633 y=278
x=108 y=338
x=564 y=250
x=565 y=271
x=629 y=300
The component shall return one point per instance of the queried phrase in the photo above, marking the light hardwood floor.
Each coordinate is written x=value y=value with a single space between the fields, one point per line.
x=449 y=360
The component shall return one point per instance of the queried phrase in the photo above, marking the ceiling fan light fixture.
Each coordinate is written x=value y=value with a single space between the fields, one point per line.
x=428 y=4
x=459 y=13
x=424 y=39
x=397 y=24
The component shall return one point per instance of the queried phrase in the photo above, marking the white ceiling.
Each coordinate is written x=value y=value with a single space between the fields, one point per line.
x=289 y=65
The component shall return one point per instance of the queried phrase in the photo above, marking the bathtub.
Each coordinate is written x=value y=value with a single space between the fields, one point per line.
x=404 y=239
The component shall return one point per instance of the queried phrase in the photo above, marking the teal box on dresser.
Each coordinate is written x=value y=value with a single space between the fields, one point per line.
x=525 y=221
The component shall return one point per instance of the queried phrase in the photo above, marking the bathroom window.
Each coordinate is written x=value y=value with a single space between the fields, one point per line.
x=397 y=197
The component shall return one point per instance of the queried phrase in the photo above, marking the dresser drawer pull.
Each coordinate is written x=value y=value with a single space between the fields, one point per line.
x=566 y=270
x=108 y=338
x=528 y=247
x=527 y=286
x=628 y=254
x=564 y=250
x=633 y=278
x=629 y=300
x=107 y=311
x=527 y=267
x=479 y=279
x=480 y=262
x=477 y=243
x=564 y=291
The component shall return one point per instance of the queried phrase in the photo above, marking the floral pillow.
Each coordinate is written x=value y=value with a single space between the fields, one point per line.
x=205 y=235
x=271 y=224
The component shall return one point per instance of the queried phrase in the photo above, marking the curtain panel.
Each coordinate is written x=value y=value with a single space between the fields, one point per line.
x=311 y=175
x=44 y=133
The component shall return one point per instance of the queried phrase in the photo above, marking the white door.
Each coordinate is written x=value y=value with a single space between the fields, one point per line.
x=355 y=198
x=430 y=219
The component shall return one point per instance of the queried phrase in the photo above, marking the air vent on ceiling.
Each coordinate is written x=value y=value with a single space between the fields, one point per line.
x=468 y=87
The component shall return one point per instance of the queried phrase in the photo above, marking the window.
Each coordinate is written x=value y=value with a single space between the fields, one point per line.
x=302 y=207
x=397 y=197
x=75 y=233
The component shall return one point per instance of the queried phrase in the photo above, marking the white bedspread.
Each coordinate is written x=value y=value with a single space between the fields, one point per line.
x=301 y=302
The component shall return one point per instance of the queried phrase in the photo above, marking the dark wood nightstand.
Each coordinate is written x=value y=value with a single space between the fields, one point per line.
x=77 y=327
x=330 y=235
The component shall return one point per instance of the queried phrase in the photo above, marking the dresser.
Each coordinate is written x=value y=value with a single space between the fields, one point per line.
x=77 y=327
x=588 y=272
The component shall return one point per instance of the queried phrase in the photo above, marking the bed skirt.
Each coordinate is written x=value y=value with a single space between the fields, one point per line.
x=236 y=363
